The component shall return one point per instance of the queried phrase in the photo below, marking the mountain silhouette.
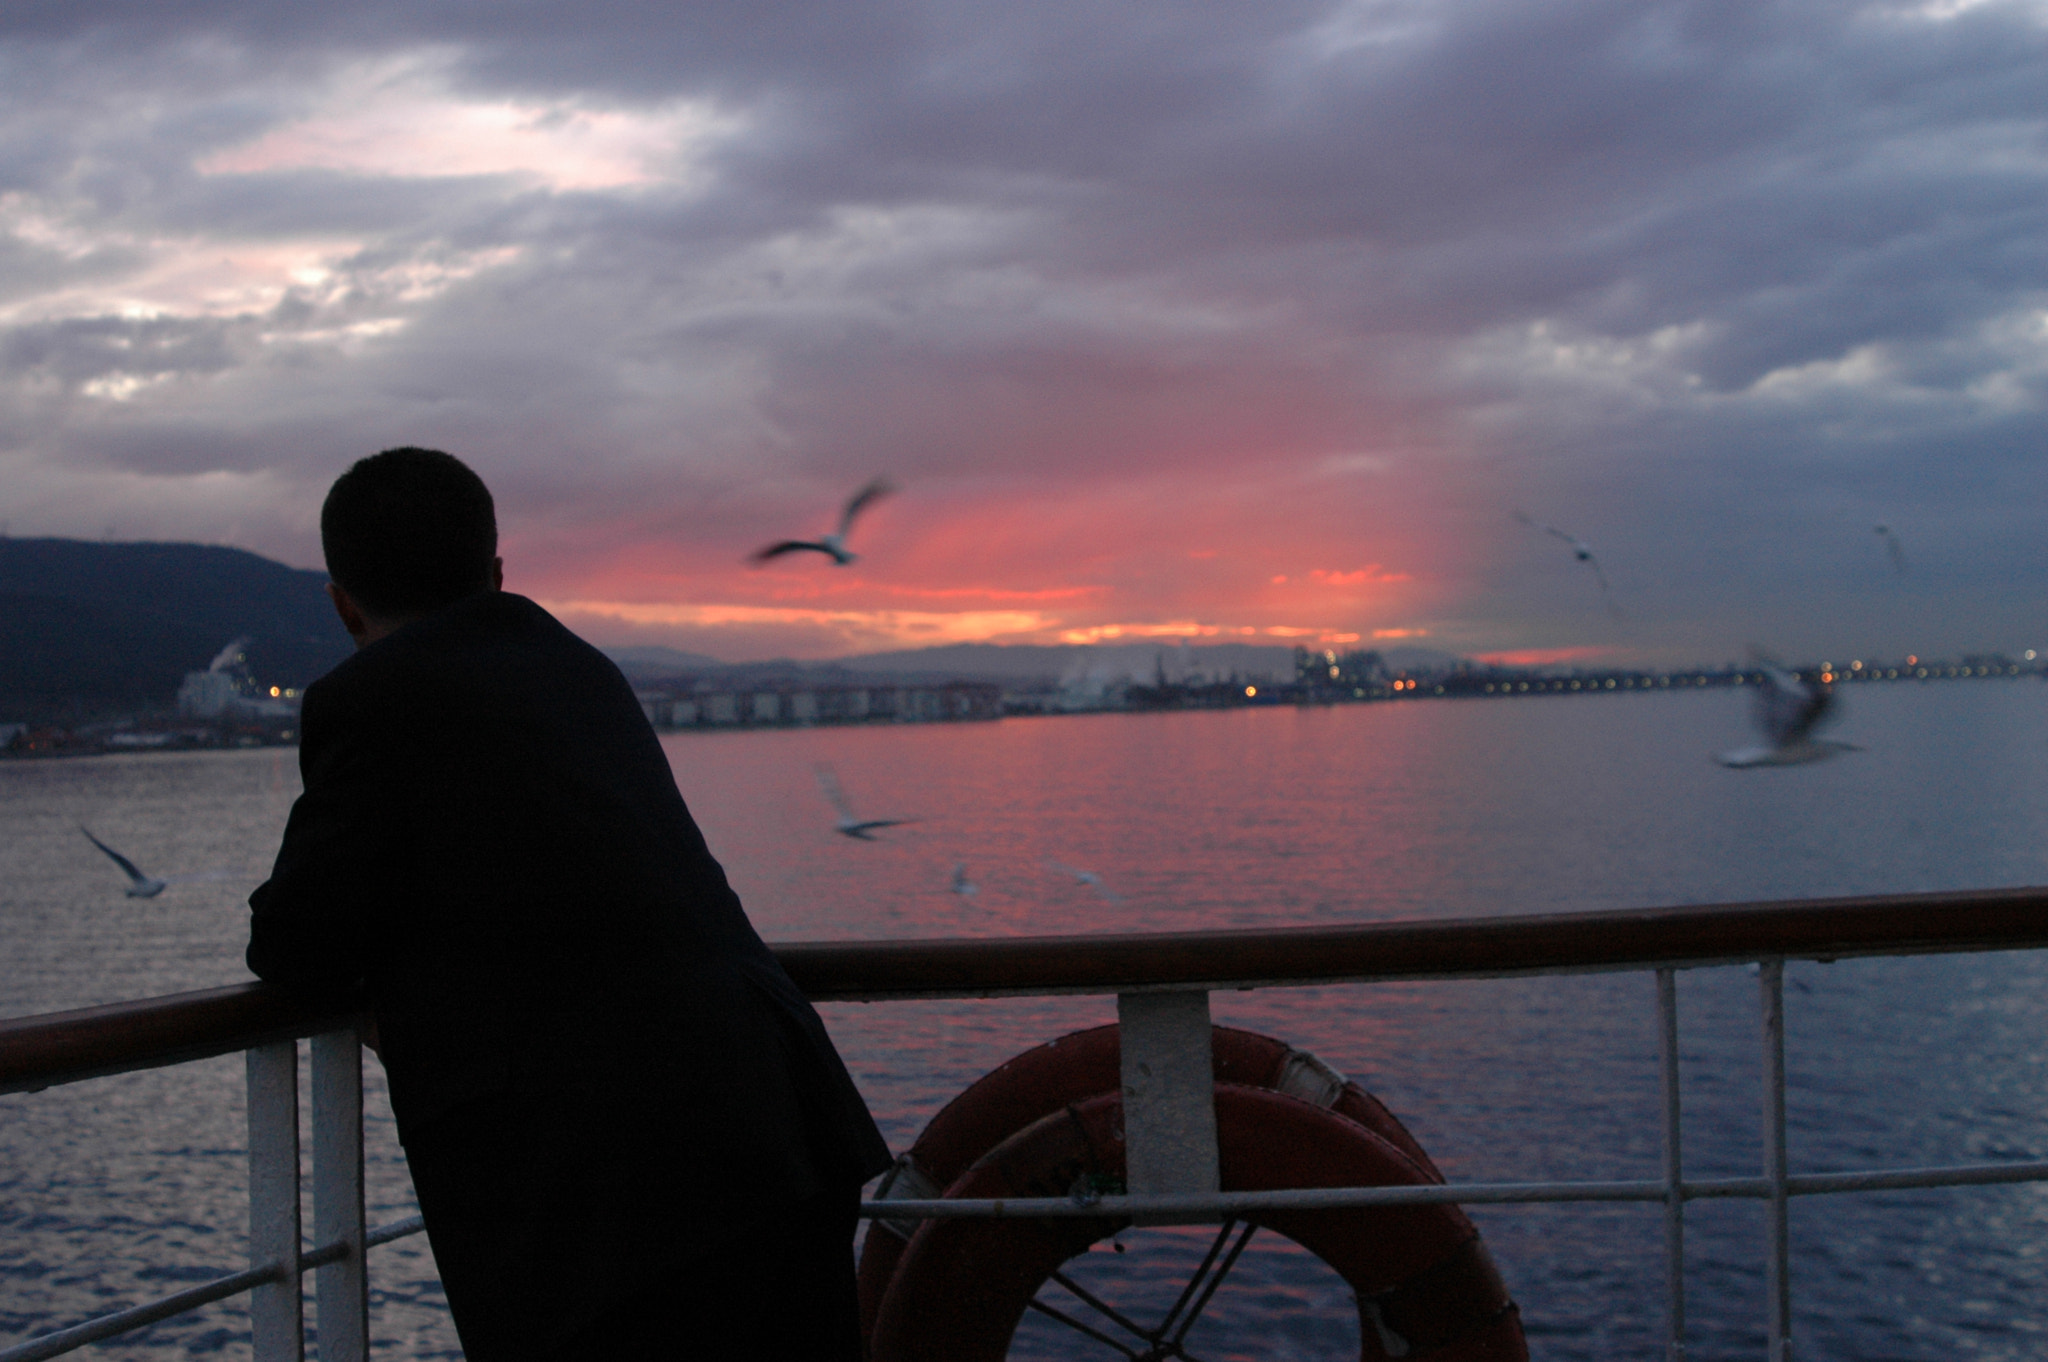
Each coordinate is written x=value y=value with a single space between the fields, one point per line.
x=90 y=629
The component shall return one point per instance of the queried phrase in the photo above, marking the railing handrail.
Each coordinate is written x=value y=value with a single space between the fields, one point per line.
x=61 y=1047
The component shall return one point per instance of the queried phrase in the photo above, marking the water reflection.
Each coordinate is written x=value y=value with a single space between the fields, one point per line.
x=111 y=1189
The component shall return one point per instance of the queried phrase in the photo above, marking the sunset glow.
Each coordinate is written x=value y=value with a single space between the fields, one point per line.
x=1224 y=326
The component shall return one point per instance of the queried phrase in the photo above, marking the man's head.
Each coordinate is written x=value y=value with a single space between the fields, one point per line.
x=407 y=532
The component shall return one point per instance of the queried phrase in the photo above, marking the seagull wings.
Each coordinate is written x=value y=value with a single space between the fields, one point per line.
x=139 y=884
x=1580 y=548
x=1787 y=709
x=858 y=828
x=876 y=489
x=786 y=546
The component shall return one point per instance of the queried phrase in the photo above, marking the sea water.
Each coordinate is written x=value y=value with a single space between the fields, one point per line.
x=120 y=1189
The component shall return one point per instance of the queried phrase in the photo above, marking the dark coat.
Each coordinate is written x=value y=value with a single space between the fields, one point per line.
x=491 y=844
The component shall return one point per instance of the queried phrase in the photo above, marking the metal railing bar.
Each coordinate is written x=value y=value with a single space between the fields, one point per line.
x=1961 y=1175
x=1777 y=1223
x=1691 y=937
x=136 y=1317
x=1674 y=1166
x=397 y=1229
x=322 y=1256
x=220 y=1288
x=154 y=1033
x=36 y=1052
x=1457 y=1193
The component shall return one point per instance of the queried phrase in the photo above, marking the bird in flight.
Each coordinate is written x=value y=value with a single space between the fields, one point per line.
x=832 y=545
x=1580 y=549
x=140 y=886
x=860 y=829
x=1893 y=547
x=1788 y=711
x=1087 y=877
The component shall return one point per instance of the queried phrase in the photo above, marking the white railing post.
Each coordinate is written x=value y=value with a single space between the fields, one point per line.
x=341 y=1289
x=1777 y=1232
x=1674 y=1164
x=276 y=1329
x=1169 y=1093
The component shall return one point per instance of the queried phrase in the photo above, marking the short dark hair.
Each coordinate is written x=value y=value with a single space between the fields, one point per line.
x=409 y=530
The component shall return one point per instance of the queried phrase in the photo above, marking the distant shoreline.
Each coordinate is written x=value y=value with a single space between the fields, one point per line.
x=780 y=705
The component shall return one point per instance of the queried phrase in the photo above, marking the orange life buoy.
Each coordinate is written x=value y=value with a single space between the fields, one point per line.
x=1053 y=1076
x=1425 y=1285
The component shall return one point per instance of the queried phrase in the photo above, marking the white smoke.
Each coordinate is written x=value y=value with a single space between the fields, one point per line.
x=228 y=656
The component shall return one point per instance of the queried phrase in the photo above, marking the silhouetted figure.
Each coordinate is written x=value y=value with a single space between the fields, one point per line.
x=629 y=1132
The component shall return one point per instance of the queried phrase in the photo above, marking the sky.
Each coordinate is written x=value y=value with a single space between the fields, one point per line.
x=1170 y=319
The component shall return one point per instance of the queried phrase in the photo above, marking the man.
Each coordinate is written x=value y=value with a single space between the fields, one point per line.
x=629 y=1132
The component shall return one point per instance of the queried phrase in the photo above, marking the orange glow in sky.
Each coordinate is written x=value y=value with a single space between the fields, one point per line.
x=1159 y=561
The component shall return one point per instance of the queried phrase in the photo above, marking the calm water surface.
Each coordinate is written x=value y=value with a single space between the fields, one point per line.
x=123 y=1188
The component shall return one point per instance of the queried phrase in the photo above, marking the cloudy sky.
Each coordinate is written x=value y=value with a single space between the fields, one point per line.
x=1240 y=321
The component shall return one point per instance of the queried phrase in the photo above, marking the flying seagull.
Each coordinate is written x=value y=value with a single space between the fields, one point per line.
x=1788 y=711
x=1582 y=551
x=1580 y=548
x=860 y=829
x=833 y=545
x=1087 y=877
x=140 y=886
x=1892 y=546
x=963 y=886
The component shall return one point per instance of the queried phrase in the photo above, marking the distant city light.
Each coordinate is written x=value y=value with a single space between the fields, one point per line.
x=2030 y=654
x=1250 y=691
x=274 y=692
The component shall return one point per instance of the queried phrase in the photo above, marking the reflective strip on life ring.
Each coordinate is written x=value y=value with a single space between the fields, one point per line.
x=1053 y=1076
x=1425 y=1285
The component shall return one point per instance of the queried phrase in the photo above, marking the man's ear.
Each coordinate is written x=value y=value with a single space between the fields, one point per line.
x=351 y=615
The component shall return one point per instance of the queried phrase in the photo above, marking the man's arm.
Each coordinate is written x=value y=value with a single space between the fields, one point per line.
x=319 y=917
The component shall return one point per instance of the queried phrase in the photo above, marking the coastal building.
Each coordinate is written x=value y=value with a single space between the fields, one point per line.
x=777 y=706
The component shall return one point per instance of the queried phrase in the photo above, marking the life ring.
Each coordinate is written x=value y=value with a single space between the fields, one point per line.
x=1053 y=1076
x=1425 y=1285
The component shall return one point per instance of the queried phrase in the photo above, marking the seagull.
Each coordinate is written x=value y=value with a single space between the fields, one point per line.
x=1893 y=547
x=832 y=545
x=857 y=828
x=963 y=886
x=1087 y=877
x=140 y=886
x=1581 y=550
x=1788 y=711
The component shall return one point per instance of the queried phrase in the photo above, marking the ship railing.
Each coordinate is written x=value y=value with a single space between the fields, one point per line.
x=1162 y=983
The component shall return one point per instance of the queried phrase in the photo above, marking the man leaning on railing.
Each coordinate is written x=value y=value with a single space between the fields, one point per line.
x=628 y=1130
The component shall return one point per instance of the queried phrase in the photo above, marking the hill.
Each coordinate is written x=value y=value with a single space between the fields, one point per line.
x=90 y=629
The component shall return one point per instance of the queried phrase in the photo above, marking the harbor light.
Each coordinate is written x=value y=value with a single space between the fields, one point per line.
x=1250 y=691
